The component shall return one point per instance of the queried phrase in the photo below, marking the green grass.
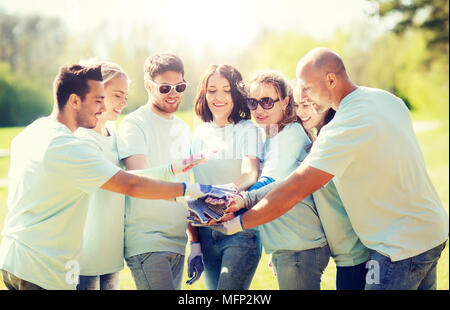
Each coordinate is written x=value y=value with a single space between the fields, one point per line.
x=7 y=134
x=435 y=147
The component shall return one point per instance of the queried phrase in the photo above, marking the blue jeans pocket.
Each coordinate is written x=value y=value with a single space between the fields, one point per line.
x=429 y=256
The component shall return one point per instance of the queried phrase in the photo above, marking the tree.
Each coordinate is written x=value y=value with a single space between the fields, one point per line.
x=431 y=16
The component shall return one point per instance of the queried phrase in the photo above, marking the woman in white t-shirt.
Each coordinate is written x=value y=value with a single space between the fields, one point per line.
x=230 y=261
x=296 y=241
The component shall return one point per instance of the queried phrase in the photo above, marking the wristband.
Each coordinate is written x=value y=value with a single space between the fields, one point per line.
x=240 y=221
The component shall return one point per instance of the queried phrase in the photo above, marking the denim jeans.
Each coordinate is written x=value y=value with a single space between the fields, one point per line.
x=230 y=261
x=110 y=281
x=351 y=277
x=14 y=283
x=300 y=270
x=157 y=270
x=414 y=273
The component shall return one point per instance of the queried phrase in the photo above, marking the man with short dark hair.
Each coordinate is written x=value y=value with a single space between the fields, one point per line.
x=51 y=176
x=151 y=136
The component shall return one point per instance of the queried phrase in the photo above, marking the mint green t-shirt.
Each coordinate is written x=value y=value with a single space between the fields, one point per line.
x=300 y=228
x=345 y=246
x=52 y=173
x=380 y=174
x=154 y=225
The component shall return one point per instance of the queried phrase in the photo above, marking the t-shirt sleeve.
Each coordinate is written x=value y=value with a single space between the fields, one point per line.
x=131 y=139
x=285 y=152
x=80 y=163
x=250 y=142
x=340 y=142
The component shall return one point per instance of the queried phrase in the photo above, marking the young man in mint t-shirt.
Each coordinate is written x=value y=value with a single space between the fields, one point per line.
x=151 y=136
x=52 y=174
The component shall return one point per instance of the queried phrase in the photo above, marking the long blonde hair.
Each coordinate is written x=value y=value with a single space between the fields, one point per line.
x=111 y=70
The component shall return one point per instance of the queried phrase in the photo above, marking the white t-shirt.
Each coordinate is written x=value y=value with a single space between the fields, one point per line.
x=51 y=175
x=154 y=225
x=102 y=251
x=233 y=142
x=380 y=174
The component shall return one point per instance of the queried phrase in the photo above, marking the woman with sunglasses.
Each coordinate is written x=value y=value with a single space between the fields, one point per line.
x=103 y=240
x=296 y=241
x=230 y=261
x=348 y=252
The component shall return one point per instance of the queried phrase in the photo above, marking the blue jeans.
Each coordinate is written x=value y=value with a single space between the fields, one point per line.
x=157 y=270
x=230 y=261
x=414 y=273
x=351 y=277
x=300 y=270
x=110 y=281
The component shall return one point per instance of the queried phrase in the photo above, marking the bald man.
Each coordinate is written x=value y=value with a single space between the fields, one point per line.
x=371 y=152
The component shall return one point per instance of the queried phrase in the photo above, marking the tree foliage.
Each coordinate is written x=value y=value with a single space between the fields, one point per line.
x=21 y=100
x=432 y=16
x=399 y=64
x=412 y=65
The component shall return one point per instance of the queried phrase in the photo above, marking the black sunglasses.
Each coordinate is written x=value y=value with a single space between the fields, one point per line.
x=167 y=88
x=266 y=103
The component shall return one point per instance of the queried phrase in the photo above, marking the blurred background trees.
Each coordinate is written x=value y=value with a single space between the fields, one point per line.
x=410 y=60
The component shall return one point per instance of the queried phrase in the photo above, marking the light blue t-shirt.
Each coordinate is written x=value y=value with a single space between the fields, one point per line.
x=154 y=225
x=52 y=174
x=345 y=246
x=380 y=174
x=102 y=251
x=300 y=228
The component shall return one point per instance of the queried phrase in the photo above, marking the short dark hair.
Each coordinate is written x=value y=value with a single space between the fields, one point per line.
x=160 y=63
x=72 y=79
x=238 y=94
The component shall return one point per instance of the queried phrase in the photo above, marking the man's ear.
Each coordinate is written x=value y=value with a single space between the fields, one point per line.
x=147 y=86
x=74 y=101
x=331 y=80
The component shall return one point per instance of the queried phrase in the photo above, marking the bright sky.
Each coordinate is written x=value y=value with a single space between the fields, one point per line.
x=216 y=24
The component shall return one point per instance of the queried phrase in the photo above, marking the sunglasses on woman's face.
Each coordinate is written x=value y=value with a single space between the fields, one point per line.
x=167 y=88
x=266 y=103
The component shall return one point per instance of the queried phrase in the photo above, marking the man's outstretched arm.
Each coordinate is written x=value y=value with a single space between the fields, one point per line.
x=139 y=186
x=301 y=183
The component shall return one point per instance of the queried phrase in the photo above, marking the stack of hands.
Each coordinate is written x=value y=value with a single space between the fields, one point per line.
x=209 y=205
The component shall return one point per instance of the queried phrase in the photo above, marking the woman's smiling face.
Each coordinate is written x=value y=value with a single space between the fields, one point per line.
x=309 y=117
x=218 y=97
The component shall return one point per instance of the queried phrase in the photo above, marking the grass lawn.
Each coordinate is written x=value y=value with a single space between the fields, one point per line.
x=435 y=146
